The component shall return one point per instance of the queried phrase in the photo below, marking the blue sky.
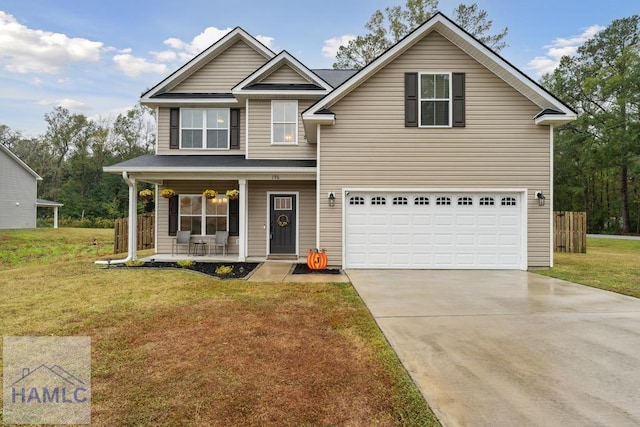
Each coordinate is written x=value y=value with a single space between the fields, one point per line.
x=96 y=58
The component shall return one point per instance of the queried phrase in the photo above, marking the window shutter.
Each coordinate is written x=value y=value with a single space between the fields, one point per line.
x=174 y=128
x=411 y=100
x=234 y=217
x=458 y=100
x=234 y=129
x=173 y=216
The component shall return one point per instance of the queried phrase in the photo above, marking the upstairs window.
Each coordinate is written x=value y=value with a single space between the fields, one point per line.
x=204 y=128
x=284 y=122
x=435 y=99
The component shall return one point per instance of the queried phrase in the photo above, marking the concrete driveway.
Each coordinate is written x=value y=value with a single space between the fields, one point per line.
x=511 y=348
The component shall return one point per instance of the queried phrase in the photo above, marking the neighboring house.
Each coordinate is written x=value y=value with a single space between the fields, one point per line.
x=18 y=193
x=429 y=157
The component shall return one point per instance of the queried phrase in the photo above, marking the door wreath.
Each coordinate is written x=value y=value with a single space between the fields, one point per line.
x=283 y=220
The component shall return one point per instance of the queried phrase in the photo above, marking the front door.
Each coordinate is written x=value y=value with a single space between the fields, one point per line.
x=282 y=235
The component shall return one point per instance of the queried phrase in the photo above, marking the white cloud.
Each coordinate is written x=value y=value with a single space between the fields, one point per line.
x=64 y=103
x=25 y=50
x=331 y=46
x=133 y=66
x=185 y=50
x=266 y=40
x=36 y=81
x=559 y=48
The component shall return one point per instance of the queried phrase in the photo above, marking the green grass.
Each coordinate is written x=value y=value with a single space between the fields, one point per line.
x=177 y=348
x=609 y=264
x=45 y=245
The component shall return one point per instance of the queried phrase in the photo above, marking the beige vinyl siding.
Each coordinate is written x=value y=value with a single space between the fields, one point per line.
x=163 y=137
x=500 y=147
x=258 y=214
x=186 y=187
x=260 y=146
x=224 y=71
x=257 y=207
x=284 y=74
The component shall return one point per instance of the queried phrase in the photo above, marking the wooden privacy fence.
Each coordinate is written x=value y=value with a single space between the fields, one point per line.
x=570 y=232
x=145 y=233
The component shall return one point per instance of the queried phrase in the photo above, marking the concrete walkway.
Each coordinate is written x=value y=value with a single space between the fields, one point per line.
x=511 y=348
x=281 y=272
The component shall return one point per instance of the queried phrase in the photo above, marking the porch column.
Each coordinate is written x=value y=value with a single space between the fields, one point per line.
x=55 y=217
x=133 y=219
x=242 y=225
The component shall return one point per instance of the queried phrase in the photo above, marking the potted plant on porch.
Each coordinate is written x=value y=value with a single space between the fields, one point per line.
x=233 y=194
x=210 y=194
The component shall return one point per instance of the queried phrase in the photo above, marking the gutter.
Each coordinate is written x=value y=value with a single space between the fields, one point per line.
x=133 y=226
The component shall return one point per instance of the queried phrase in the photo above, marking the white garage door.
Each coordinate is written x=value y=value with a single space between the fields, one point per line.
x=433 y=230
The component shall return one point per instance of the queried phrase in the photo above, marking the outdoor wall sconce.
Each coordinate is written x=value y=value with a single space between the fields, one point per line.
x=332 y=199
x=540 y=197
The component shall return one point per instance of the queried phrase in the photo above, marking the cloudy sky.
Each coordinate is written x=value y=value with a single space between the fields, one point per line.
x=96 y=58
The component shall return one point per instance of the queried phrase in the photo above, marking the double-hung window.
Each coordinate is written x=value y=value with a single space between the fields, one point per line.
x=204 y=128
x=435 y=99
x=284 y=122
x=203 y=216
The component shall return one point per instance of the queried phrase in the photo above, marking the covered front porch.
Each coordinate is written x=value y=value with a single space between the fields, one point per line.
x=273 y=215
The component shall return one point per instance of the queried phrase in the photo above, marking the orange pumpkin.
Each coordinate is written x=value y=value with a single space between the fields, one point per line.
x=317 y=260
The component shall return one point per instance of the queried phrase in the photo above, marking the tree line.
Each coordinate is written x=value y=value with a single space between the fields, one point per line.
x=71 y=154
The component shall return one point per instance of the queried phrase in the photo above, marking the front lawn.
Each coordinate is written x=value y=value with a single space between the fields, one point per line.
x=609 y=264
x=178 y=348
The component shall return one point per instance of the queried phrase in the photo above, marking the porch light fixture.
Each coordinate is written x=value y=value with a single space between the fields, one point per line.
x=540 y=197
x=332 y=199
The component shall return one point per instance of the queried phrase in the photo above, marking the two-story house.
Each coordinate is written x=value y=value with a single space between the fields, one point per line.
x=438 y=154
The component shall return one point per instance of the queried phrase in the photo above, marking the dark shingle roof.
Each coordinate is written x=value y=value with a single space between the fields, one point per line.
x=283 y=86
x=174 y=95
x=334 y=77
x=208 y=162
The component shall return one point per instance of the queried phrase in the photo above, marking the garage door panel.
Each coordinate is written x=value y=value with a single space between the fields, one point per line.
x=434 y=231
x=465 y=220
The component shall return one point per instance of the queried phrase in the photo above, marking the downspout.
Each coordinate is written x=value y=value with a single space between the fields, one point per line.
x=132 y=240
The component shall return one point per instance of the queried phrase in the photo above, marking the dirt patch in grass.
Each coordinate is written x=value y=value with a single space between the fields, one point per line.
x=277 y=361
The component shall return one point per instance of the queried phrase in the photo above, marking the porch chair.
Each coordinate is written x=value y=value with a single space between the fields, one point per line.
x=182 y=238
x=221 y=241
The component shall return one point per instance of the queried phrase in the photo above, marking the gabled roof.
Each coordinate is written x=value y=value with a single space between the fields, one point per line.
x=252 y=85
x=20 y=162
x=472 y=47
x=205 y=57
x=334 y=77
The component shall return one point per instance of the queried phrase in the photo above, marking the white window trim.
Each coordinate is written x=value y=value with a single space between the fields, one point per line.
x=205 y=128
x=203 y=215
x=450 y=74
x=295 y=140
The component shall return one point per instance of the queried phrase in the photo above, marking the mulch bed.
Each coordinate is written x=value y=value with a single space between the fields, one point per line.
x=304 y=269
x=240 y=269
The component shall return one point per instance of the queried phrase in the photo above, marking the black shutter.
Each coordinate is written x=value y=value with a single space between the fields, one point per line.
x=234 y=217
x=174 y=128
x=173 y=216
x=411 y=99
x=458 y=100
x=234 y=128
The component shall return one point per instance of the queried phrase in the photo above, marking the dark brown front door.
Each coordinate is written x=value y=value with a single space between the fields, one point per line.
x=282 y=224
